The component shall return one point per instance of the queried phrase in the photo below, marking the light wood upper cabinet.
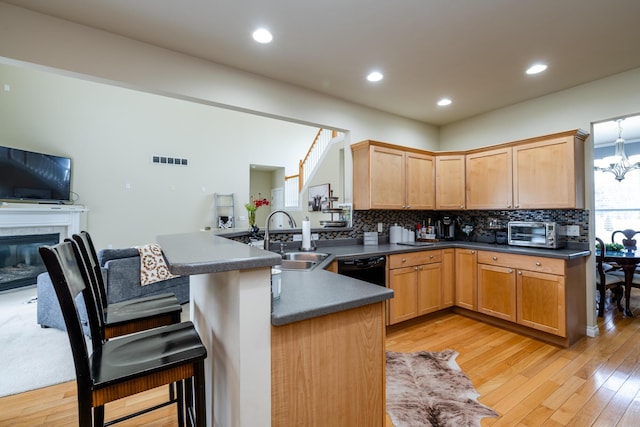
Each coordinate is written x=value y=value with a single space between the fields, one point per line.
x=420 y=181
x=450 y=182
x=489 y=179
x=538 y=173
x=389 y=177
x=548 y=173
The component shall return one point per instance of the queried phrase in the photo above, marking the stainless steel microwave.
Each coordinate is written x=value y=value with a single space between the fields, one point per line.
x=534 y=234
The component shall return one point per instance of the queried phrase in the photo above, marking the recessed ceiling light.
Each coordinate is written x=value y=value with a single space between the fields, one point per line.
x=536 y=68
x=375 y=76
x=444 y=102
x=262 y=35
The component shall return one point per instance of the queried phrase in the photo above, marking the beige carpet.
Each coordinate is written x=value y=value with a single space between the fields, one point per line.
x=429 y=389
x=31 y=357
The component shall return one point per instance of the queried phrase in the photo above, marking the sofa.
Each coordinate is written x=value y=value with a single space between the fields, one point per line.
x=121 y=274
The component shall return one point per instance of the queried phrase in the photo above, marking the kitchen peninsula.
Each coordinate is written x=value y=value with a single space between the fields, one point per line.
x=322 y=345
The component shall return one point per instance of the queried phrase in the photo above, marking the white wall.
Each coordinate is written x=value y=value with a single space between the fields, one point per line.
x=111 y=132
x=574 y=108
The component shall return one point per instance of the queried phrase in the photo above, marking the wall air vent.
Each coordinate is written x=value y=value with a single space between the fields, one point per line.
x=165 y=160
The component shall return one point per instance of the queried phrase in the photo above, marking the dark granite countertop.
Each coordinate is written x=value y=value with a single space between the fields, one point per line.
x=204 y=252
x=304 y=295
x=317 y=292
x=346 y=251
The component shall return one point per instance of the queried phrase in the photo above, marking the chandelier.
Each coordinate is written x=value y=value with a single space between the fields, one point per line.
x=618 y=164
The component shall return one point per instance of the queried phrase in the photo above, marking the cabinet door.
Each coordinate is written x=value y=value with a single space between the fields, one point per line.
x=466 y=279
x=420 y=181
x=429 y=288
x=489 y=179
x=450 y=178
x=545 y=174
x=541 y=302
x=497 y=291
x=387 y=178
x=403 y=305
x=448 y=277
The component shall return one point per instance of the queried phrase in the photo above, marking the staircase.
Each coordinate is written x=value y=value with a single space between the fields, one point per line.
x=294 y=184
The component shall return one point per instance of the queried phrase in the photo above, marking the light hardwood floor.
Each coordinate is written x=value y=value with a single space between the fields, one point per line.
x=530 y=383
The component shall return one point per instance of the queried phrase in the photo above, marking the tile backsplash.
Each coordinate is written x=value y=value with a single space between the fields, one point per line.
x=368 y=221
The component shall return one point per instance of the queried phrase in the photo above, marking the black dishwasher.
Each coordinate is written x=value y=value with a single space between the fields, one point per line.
x=371 y=269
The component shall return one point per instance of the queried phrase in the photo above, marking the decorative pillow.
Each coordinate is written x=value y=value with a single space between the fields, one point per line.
x=153 y=267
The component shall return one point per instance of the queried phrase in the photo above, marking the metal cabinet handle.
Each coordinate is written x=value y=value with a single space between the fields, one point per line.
x=495 y=258
x=473 y=252
x=538 y=263
x=510 y=270
x=431 y=256
x=519 y=273
x=404 y=260
x=420 y=268
x=415 y=268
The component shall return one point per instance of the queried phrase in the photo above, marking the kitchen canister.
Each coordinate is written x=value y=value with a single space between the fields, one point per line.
x=276 y=283
x=395 y=234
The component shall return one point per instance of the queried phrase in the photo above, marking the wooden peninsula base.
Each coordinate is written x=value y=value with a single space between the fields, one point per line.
x=330 y=370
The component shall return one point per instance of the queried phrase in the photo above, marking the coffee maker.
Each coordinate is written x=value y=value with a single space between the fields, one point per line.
x=447 y=228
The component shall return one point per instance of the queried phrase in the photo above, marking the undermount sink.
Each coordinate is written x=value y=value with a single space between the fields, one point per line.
x=301 y=260
x=305 y=256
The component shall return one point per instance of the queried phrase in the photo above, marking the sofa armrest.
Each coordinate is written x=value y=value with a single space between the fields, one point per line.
x=123 y=282
x=106 y=255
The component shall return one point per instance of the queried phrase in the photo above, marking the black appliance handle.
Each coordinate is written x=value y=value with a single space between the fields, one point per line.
x=363 y=263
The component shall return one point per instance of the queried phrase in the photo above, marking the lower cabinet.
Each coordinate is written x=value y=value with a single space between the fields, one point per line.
x=417 y=282
x=497 y=291
x=525 y=289
x=466 y=278
x=541 y=302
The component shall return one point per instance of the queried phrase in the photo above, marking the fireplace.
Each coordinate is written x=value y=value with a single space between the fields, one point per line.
x=20 y=262
x=25 y=227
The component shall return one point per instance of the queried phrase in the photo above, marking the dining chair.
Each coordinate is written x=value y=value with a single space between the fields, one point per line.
x=130 y=364
x=628 y=240
x=605 y=279
x=128 y=316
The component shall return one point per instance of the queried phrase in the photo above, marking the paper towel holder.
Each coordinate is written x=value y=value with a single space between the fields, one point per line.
x=312 y=245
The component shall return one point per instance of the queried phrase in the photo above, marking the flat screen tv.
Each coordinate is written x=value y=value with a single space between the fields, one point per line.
x=36 y=177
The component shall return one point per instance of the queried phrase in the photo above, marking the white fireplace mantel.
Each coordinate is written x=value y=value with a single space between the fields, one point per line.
x=21 y=219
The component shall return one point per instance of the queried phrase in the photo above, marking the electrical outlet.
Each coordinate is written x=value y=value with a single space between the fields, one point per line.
x=297 y=237
x=573 y=230
x=315 y=236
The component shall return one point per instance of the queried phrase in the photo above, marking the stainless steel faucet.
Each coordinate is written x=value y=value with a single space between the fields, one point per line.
x=292 y=223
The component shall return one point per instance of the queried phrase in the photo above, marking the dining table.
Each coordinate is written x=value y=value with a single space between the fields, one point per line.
x=628 y=259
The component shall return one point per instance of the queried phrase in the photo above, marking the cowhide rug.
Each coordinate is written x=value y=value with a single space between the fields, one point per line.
x=429 y=389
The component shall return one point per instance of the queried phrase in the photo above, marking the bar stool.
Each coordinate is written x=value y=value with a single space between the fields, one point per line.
x=130 y=364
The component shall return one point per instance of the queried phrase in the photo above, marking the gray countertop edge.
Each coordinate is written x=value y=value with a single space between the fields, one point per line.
x=318 y=292
x=308 y=294
x=204 y=252
x=356 y=250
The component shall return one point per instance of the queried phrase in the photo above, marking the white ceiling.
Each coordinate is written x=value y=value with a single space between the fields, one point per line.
x=473 y=51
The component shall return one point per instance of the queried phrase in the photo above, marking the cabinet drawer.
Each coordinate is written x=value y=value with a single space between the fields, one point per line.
x=414 y=258
x=522 y=262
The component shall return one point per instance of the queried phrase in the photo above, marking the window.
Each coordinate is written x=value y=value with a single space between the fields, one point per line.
x=617 y=205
